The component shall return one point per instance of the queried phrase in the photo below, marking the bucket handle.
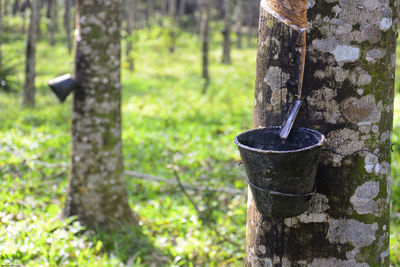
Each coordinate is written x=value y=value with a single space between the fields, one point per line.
x=275 y=193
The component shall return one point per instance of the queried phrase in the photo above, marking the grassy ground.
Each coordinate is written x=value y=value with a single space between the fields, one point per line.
x=167 y=125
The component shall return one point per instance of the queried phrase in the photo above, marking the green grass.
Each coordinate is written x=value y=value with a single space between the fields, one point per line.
x=167 y=125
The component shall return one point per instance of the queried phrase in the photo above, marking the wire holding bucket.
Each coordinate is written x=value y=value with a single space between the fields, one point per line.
x=275 y=193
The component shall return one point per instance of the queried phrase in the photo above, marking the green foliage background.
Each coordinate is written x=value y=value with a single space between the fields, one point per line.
x=168 y=126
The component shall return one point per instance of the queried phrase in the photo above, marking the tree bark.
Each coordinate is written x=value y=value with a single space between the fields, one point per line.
x=5 y=11
x=1 y=27
x=182 y=6
x=97 y=193
x=131 y=17
x=205 y=29
x=172 y=33
x=239 y=18
x=348 y=89
x=67 y=24
x=15 y=8
x=226 y=32
x=52 y=26
x=30 y=57
x=150 y=12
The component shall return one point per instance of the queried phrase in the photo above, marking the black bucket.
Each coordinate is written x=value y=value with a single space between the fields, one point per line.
x=62 y=86
x=281 y=173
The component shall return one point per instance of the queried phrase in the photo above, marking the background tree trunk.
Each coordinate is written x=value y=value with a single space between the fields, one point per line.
x=52 y=23
x=150 y=12
x=5 y=9
x=1 y=27
x=182 y=7
x=226 y=32
x=30 y=57
x=205 y=38
x=67 y=24
x=349 y=79
x=39 y=30
x=131 y=17
x=239 y=19
x=97 y=192
x=172 y=33
x=15 y=8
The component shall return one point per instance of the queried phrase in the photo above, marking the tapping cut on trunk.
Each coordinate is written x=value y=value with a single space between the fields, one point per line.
x=291 y=12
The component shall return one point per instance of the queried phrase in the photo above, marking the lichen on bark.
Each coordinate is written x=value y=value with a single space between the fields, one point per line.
x=97 y=193
x=348 y=88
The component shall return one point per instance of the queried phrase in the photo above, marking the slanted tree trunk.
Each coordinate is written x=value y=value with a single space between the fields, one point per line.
x=67 y=24
x=131 y=17
x=205 y=38
x=239 y=19
x=226 y=32
x=52 y=23
x=97 y=192
x=348 y=90
x=30 y=57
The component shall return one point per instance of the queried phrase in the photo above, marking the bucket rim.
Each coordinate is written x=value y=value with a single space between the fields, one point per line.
x=320 y=142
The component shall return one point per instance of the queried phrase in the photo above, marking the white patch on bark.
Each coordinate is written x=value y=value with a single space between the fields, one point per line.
x=346 y=53
x=333 y=262
x=373 y=55
x=325 y=105
x=262 y=249
x=362 y=111
x=371 y=162
x=276 y=78
x=384 y=255
x=353 y=232
x=385 y=24
x=345 y=142
x=371 y=4
x=290 y=222
x=313 y=217
x=341 y=74
x=363 y=198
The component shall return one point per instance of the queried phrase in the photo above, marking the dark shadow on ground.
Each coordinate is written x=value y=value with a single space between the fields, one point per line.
x=131 y=246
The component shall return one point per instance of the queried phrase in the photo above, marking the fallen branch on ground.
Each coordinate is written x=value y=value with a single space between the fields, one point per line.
x=137 y=175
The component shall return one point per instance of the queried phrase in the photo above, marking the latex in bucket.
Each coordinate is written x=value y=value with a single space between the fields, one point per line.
x=281 y=173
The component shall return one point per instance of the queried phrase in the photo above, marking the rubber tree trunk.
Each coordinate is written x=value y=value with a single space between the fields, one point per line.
x=41 y=4
x=348 y=90
x=67 y=24
x=172 y=31
x=239 y=19
x=205 y=39
x=52 y=24
x=15 y=8
x=226 y=32
x=130 y=17
x=97 y=192
x=182 y=7
x=6 y=4
x=150 y=12
x=1 y=27
x=30 y=57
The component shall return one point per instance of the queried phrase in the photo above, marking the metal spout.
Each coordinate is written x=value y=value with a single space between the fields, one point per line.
x=288 y=123
x=62 y=86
